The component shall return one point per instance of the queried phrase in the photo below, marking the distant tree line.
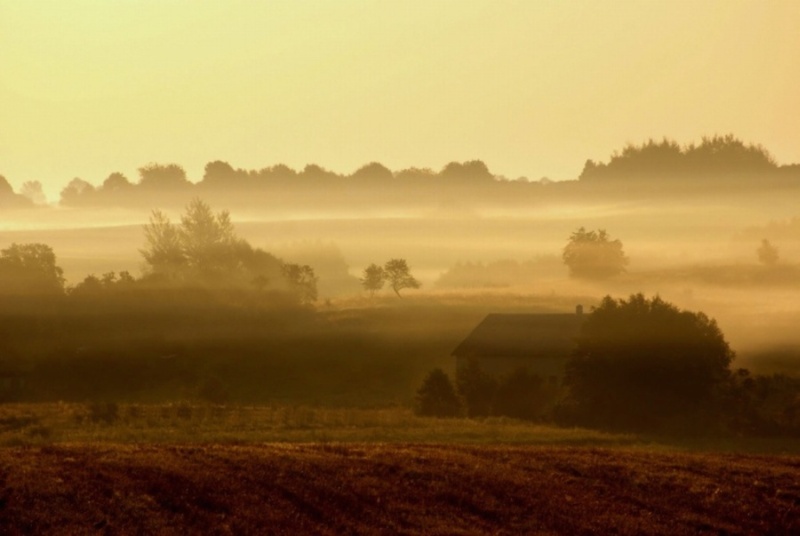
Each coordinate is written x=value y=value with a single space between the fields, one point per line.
x=714 y=157
x=664 y=163
x=221 y=178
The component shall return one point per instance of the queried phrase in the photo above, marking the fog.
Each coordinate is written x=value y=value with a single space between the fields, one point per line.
x=289 y=300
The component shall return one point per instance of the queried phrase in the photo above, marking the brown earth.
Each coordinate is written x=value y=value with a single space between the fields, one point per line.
x=393 y=489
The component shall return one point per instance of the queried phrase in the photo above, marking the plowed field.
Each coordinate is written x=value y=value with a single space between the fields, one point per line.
x=392 y=489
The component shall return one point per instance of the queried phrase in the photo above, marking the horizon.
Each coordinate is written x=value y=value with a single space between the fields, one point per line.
x=531 y=89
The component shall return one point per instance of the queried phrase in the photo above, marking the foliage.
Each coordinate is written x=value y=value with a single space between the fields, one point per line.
x=644 y=364
x=205 y=248
x=524 y=395
x=33 y=191
x=373 y=279
x=99 y=286
x=77 y=193
x=164 y=250
x=30 y=269
x=767 y=253
x=520 y=394
x=477 y=388
x=593 y=255
x=160 y=177
x=763 y=405
x=302 y=281
x=714 y=156
x=208 y=242
x=437 y=397
x=398 y=275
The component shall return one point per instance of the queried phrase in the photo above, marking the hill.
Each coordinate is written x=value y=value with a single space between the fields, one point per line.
x=392 y=489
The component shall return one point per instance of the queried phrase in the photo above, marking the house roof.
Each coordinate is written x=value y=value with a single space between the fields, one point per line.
x=522 y=336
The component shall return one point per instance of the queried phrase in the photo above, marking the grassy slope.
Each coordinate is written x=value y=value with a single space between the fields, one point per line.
x=368 y=489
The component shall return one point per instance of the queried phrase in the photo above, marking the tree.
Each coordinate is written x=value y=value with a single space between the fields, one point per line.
x=163 y=251
x=767 y=253
x=302 y=282
x=373 y=172
x=477 y=388
x=399 y=275
x=30 y=269
x=205 y=249
x=208 y=241
x=373 y=279
x=163 y=177
x=204 y=246
x=77 y=192
x=219 y=174
x=437 y=397
x=33 y=191
x=523 y=395
x=116 y=183
x=5 y=188
x=643 y=364
x=593 y=255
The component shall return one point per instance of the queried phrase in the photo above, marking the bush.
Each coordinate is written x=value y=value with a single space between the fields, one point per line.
x=437 y=397
x=524 y=395
x=477 y=388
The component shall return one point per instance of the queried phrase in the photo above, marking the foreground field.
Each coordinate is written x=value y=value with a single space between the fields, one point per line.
x=392 y=489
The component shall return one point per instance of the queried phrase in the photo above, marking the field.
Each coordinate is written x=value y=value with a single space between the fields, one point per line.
x=333 y=488
x=193 y=469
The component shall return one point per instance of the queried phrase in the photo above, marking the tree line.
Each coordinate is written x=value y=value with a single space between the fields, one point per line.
x=665 y=163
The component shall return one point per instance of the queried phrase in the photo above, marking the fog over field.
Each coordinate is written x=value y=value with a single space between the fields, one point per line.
x=429 y=241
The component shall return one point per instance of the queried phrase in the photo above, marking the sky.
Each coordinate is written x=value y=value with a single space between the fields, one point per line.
x=532 y=88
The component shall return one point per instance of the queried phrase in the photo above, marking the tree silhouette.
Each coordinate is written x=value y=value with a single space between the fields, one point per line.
x=77 y=192
x=399 y=275
x=208 y=241
x=373 y=279
x=33 y=191
x=714 y=156
x=593 y=255
x=169 y=177
x=5 y=188
x=437 y=397
x=116 y=183
x=644 y=364
x=767 y=253
x=302 y=282
x=372 y=172
x=477 y=388
x=30 y=269
x=164 y=251
x=205 y=249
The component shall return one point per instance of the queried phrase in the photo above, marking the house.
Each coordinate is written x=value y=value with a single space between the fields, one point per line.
x=539 y=343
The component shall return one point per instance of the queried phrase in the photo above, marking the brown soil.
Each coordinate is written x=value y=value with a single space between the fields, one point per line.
x=393 y=489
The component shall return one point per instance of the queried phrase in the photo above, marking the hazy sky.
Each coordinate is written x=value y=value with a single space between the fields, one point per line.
x=533 y=88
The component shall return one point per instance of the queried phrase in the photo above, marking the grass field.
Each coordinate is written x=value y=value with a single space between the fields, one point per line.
x=336 y=488
x=182 y=423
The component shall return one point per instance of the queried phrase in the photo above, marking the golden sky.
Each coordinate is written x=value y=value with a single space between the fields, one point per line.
x=533 y=88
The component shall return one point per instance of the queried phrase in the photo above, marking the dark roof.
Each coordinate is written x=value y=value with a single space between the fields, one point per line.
x=522 y=335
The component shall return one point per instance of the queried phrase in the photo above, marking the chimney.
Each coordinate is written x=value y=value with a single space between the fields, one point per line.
x=579 y=310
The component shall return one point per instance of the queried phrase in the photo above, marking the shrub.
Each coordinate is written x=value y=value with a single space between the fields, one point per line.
x=437 y=397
